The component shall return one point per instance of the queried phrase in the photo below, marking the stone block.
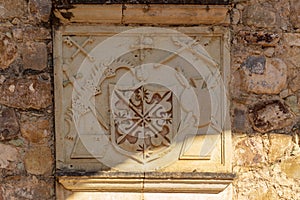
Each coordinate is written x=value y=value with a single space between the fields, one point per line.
x=35 y=131
x=249 y=152
x=32 y=92
x=263 y=38
x=41 y=9
x=31 y=33
x=8 y=51
x=259 y=16
x=27 y=187
x=12 y=8
x=291 y=167
x=35 y=56
x=295 y=13
x=262 y=75
x=8 y=154
x=270 y=115
x=279 y=144
x=39 y=160
x=9 y=126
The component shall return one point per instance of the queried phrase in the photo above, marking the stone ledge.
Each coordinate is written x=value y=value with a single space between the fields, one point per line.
x=145 y=14
x=149 y=182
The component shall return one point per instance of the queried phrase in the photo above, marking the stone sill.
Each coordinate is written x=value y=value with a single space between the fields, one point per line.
x=154 y=14
x=210 y=183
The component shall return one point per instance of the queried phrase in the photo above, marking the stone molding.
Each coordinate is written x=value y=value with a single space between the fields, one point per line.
x=145 y=14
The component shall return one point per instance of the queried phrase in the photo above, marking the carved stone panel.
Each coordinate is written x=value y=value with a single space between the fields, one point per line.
x=141 y=99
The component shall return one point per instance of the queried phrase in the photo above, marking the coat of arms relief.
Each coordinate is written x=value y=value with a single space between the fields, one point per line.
x=143 y=99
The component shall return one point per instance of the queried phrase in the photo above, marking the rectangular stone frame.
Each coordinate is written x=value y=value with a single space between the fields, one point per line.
x=85 y=182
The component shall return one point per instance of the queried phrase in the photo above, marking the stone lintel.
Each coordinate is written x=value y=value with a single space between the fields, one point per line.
x=145 y=14
x=149 y=182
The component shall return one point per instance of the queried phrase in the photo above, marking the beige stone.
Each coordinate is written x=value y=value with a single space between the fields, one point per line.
x=264 y=77
x=292 y=39
x=35 y=131
x=32 y=92
x=8 y=51
x=7 y=154
x=38 y=160
x=145 y=14
x=174 y=14
x=279 y=144
x=249 y=152
x=35 y=56
x=291 y=167
x=90 y=129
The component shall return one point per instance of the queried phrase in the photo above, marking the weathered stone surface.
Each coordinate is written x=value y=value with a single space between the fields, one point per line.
x=279 y=144
x=7 y=154
x=270 y=115
x=294 y=105
x=26 y=187
x=291 y=167
x=8 y=51
x=262 y=38
x=295 y=83
x=32 y=92
x=35 y=56
x=249 y=152
x=295 y=13
x=41 y=9
x=269 y=52
x=9 y=126
x=12 y=8
x=29 y=33
x=259 y=16
x=35 y=131
x=292 y=39
x=39 y=160
x=264 y=75
x=236 y=15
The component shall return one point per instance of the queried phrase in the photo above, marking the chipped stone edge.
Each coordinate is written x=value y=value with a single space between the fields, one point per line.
x=145 y=14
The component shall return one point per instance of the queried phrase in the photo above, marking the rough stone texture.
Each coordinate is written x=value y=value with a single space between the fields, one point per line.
x=259 y=16
x=12 y=8
x=266 y=28
x=22 y=187
x=249 y=151
x=295 y=13
x=35 y=56
x=272 y=115
x=38 y=160
x=279 y=146
x=8 y=51
x=25 y=90
x=7 y=154
x=9 y=126
x=32 y=92
x=35 y=130
x=291 y=167
x=263 y=75
x=40 y=9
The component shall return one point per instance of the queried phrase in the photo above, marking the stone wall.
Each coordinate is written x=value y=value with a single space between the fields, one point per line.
x=265 y=99
x=264 y=94
x=26 y=105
